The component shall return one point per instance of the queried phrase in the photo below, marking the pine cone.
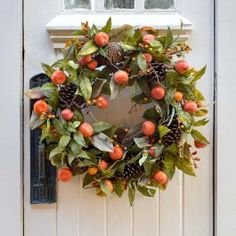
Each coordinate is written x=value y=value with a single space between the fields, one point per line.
x=174 y=135
x=68 y=99
x=115 y=52
x=156 y=71
x=132 y=171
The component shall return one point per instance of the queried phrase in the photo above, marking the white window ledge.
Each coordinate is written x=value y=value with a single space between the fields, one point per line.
x=60 y=28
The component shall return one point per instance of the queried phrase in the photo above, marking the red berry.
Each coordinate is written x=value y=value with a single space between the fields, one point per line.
x=102 y=165
x=148 y=57
x=67 y=114
x=148 y=38
x=87 y=58
x=86 y=129
x=190 y=106
x=181 y=66
x=152 y=153
x=101 y=102
x=158 y=92
x=199 y=144
x=64 y=174
x=160 y=177
x=121 y=77
x=93 y=65
x=117 y=153
x=58 y=77
x=101 y=39
x=148 y=128
x=40 y=106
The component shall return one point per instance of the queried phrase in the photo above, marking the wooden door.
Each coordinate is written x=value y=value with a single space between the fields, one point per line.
x=185 y=208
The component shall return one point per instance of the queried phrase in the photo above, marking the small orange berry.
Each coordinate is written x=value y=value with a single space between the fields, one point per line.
x=117 y=153
x=158 y=92
x=101 y=39
x=148 y=128
x=178 y=96
x=86 y=129
x=92 y=170
x=64 y=174
x=40 y=107
x=58 y=77
x=102 y=102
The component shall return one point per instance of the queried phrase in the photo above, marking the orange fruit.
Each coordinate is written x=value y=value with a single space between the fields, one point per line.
x=178 y=96
x=148 y=128
x=181 y=66
x=67 y=114
x=87 y=58
x=109 y=185
x=92 y=170
x=86 y=129
x=160 y=177
x=117 y=153
x=93 y=65
x=40 y=106
x=148 y=57
x=158 y=92
x=102 y=165
x=199 y=144
x=101 y=39
x=148 y=38
x=64 y=174
x=190 y=106
x=101 y=102
x=58 y=77
x=121 y=77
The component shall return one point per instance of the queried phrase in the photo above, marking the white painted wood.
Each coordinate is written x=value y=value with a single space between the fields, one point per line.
x=10 y=102
x=226 y=127
x=185 y=209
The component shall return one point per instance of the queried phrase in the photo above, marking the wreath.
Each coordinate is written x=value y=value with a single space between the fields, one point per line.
x=97 y=65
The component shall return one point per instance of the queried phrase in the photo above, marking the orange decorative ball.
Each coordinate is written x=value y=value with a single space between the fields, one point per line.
x=102 y=165
x=58 y=77
x=178 y=96
x=40 y=106
x=67 y=114
x=181 y=66
x=64 y=174
x=121 y=77
x=158 y=92
x=148 y=128
x=190 y=106
x=92 y=170
x=101 y=39
x=86 y=129
x=199 y=144
x=93 y=65
x=101 y=102
x=109 y=185
x=148 y=38
x=148 y=57
x=117 y=153
x=160 y=177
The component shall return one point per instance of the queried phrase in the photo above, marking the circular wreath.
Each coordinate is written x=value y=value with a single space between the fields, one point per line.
x=97 y=65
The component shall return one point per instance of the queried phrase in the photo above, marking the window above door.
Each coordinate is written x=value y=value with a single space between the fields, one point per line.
x=156 y=13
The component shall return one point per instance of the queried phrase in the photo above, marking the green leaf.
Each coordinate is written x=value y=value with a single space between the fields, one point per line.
x=134 y=159
x=131 y=194
x=201 y=112
x=78 y=116
x=148 y=167
x=151 y=114
x=198 y=95
x=54 y=152
x=186 y=151
x=73 y=65
x=101 y=126
x=108 y=173
x=141 y=99
x=142 y=142
x=102 y=142
x=69 y=52
x=169 y=165
x=114 y=88
x=107 y=27
x=199 y=137
x=51 y=92
x=105 y=189
x=35 y=121
x=88 y=179
x=199 y=74
x=60 y=127
x=186 y=166
x=97 y=87
x=85 y=87
x=75 y=148
x=79 y=139
x=144 y=86
x=169 y=97
x=119 y=187
x=200 y=122
x=83 y=154
x=169 y=38
x=126 y=47
x=163 y=130
x=141 y=61
x=45 y=131
x=64 y=141
x=143 y=158
x=48 y=70
x=148 y=191
x=158 y=149
x=88 y=48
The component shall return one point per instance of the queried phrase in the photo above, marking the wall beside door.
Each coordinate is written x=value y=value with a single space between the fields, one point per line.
x=186 y=208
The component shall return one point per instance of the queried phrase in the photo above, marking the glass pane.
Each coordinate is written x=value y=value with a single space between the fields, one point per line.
x=70 y=4
x=109 y=4
x=160 y=4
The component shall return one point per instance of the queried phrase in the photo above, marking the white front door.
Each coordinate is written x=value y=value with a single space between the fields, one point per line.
x=185 y=208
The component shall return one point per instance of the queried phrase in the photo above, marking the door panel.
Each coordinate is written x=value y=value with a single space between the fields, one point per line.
x=185 y=208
